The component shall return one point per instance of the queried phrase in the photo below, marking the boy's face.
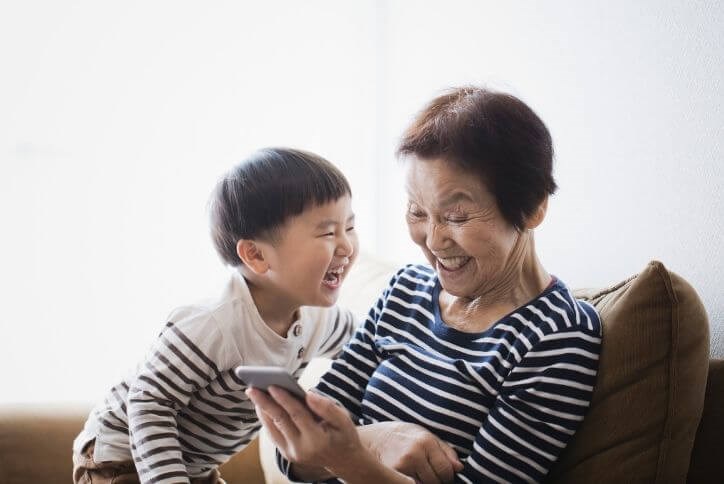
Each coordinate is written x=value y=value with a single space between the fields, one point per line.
x=313 y=254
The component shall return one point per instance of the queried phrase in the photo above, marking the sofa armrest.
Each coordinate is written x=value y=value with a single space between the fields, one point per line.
x=36 y=446
x=706 y=465
x=36 y=442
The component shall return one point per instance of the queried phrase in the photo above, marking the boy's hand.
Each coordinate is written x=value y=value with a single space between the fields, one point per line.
x=412 y=450
x=302 y=438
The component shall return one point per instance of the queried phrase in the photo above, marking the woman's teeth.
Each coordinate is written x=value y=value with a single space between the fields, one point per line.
x=452 y=263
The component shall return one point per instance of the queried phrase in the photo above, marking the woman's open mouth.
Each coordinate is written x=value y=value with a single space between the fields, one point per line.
x=452 y=264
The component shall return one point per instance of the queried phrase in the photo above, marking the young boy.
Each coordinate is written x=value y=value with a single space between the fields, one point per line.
x=283 y=218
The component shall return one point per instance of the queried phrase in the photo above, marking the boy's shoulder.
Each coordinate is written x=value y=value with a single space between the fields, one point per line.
x=233 y=295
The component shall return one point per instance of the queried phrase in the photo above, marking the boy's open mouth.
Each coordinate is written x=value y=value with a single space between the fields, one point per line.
x=333 y=277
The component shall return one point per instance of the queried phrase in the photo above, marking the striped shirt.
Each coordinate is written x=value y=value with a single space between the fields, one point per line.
x=184 y=412
x=507 y=399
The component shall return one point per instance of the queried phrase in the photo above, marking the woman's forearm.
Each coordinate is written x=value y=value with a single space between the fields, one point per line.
x=361 y=470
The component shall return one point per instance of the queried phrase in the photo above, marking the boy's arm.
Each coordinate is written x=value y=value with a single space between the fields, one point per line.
x=178 y=365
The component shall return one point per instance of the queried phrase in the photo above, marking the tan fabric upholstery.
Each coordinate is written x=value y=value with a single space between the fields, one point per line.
x=36 y=442
x=650 y=392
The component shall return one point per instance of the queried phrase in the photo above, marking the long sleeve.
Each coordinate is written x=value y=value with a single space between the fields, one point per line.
x=542 y=403
x=347 y=379
x=178 y=365
x=342 y=327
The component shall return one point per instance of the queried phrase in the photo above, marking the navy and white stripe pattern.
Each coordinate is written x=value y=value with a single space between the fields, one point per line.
x=508 y=400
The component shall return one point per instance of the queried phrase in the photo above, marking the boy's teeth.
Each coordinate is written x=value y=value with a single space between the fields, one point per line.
x=333 y=275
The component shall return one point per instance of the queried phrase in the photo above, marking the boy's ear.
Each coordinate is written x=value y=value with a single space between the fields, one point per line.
x=538 y=216
x=252 y=256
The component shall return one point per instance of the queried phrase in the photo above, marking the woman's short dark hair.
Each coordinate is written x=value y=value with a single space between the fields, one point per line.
x=261 y=193
x=495 y=135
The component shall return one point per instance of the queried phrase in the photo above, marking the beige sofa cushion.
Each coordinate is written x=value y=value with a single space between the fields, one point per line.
x=651 y=382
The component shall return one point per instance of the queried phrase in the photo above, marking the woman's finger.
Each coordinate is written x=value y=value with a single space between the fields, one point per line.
x=441 y=464
x=425 y=473
x=299 y=413
x=276 y=413
x=276 y=436
x=451 y=455
x=325 y=408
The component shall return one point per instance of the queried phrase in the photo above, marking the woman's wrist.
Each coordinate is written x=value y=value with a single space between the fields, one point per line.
x=365 y=468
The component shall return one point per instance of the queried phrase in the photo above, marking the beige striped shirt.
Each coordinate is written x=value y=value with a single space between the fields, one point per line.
x=183 y=411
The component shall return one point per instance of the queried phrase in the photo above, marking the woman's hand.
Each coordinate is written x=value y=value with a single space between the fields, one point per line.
x=412 y=450
x=300 y=435
x=333 y=443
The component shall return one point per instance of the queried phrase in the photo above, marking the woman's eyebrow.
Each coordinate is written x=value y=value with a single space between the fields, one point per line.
x=456 y=197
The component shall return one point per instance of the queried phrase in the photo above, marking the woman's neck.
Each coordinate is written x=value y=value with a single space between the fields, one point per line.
x=522 y=279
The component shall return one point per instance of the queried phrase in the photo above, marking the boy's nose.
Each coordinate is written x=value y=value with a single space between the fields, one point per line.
x=345 y=248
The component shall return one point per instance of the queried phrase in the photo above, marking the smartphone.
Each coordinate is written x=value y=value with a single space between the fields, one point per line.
x=262 y=377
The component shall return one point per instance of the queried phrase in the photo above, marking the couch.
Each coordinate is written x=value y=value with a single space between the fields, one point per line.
x=657 y=413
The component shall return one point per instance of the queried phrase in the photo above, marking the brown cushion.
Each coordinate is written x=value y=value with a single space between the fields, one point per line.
x=650 y=391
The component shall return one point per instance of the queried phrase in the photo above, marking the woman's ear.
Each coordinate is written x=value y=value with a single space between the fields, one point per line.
x=538 y=215
x=252 y=256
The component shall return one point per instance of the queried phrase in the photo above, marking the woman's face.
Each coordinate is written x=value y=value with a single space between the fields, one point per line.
x=455 y=220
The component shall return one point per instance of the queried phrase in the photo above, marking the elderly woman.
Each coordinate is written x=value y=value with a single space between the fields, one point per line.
x=483 y=348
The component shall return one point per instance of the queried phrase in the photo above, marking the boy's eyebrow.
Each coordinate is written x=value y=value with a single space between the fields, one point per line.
x=329 y=221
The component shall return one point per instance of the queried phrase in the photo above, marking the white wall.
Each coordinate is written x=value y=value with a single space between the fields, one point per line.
x=116 y=119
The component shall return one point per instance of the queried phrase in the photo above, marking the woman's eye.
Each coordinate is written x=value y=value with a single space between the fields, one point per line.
x=456 y=219
x=350 y=229
x=328 y=234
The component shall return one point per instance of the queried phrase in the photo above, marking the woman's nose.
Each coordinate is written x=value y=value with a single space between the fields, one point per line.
x=435 y=237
